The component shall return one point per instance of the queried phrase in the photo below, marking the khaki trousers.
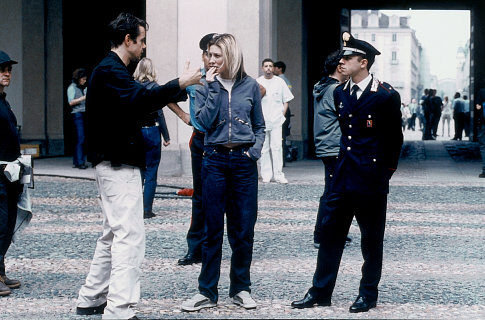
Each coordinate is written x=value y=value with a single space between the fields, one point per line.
x=114 y=276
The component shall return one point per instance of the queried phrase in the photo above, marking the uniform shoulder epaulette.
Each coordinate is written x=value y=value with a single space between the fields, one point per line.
x=386 y=86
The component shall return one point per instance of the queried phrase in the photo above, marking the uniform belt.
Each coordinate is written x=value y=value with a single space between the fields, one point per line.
x=199 y=132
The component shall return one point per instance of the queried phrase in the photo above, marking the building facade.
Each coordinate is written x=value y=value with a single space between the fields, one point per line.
x=399 y=62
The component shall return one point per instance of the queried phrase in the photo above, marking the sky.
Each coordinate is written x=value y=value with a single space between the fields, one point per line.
x=440 y=32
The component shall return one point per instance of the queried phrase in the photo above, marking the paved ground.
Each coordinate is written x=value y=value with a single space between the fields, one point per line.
x=434 y=257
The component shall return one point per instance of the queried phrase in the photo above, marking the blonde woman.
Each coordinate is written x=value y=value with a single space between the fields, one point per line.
x=229 y=109
x=152 y=125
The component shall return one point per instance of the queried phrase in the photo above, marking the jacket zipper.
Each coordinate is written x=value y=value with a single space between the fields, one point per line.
x=230 y=120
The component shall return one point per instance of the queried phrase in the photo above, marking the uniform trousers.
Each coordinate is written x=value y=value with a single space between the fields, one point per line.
x=195 y=235
x=114 y=276
x=9 y=196
x=230 y=180
x=273 y=142
x=329 y=164
x=370 y=212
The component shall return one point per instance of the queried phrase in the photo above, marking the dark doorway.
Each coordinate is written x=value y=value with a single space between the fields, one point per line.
x=85 y=42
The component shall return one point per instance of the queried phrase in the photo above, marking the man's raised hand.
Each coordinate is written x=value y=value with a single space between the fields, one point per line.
x=189 y=76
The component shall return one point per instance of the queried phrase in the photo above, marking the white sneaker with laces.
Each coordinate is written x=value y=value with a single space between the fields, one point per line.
x=244 y=300
x=281 y=180
x=197 y=302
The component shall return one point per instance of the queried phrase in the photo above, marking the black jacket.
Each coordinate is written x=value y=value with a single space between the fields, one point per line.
x=9 y=138
x=371 y=138
x=115 y=103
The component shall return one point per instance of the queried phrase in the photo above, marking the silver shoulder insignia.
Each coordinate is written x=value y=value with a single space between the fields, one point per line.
x=375 y=84
x=346 y=84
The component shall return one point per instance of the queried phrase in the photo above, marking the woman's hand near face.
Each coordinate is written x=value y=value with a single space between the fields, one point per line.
x=211 y=74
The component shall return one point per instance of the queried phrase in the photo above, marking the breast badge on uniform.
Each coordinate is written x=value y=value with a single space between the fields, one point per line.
x=369 y=124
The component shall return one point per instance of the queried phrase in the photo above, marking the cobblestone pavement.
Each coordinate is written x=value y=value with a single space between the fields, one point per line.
x=433 y=262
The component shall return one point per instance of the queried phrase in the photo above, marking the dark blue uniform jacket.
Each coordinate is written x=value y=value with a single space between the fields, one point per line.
x=371 y=138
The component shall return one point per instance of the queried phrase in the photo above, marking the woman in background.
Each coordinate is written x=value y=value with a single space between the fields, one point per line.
x=151 y=127
x=446 y=111
x=76 y=96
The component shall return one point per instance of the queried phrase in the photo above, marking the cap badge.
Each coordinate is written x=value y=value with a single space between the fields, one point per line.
x=345 y=37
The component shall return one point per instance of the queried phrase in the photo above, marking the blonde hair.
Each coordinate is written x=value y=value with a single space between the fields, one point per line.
x=145 y=71
x=231 y=53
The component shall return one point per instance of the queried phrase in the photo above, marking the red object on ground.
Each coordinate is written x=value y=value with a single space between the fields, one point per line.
x=185 y=192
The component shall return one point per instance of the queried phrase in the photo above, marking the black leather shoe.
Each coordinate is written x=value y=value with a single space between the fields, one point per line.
x=91 y=310
x=362 y=304
x=190 y=258
x=309 y=301
x=148 y=215
x=481 y=175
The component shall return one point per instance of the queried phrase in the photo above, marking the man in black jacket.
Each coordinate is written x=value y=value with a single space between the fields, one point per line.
x=370 y=120
x=114 y=105
x=9 y=191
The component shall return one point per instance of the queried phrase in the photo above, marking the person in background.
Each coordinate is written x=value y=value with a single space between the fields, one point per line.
x=436 y=104
x=9 y=191
x=447 y=110
x=195 y=235
x=326 y=130
x=466 y=120
x=428 y=115
x=230 y=112
x=279 y=70
x=414 y=113
x=405 y=116
x=76 y=96
x=458 y=116
x=480 y=113
x=152 y=125
x=275 y=104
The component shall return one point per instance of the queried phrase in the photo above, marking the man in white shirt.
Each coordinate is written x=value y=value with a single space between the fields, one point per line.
x=275 y=104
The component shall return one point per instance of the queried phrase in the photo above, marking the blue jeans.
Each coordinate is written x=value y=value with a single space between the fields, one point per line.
x=9 y=195
x=195 y=235
x=230 y=184
x=153 y=153
x=79 y=155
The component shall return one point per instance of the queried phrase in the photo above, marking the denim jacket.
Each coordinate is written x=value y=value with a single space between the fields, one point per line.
x=238 y=121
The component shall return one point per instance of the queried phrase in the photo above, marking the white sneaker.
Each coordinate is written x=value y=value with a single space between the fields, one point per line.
x=244 y=300
x=281 y=180
x=197 y=302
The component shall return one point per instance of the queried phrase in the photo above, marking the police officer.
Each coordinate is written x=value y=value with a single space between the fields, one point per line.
x=370 y=120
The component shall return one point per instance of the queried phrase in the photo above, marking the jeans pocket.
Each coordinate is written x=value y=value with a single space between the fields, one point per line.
x=208 y=153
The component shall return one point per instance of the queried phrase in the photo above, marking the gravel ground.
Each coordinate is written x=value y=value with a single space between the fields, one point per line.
x=433 y=259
